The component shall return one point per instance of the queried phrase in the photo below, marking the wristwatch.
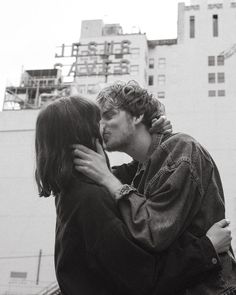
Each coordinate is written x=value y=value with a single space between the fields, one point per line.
x=124 y=190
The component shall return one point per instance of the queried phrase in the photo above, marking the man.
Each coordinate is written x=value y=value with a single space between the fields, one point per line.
x=172 y=186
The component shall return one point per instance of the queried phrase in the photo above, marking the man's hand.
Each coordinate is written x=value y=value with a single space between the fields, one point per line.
x=161 y=125
x=220 y=236
x=93 y=164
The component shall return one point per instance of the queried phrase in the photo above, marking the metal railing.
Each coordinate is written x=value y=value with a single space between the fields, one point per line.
x=52 y=289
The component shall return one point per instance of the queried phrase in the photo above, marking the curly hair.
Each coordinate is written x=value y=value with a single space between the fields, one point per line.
x=132 y=98
x=60 y=124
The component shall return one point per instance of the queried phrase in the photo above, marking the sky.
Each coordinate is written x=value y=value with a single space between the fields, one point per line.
x=30 y=30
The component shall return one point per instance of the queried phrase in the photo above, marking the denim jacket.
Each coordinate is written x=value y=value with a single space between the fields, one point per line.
x=177 y=188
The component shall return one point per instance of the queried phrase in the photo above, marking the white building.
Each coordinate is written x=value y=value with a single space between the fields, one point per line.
x=194 y=76
x=102 y=55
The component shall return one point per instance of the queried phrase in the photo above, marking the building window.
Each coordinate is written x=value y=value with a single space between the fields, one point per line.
x=82 y=88
x=134 y=52
x=220 y=60
x=51 y=82
x=211 y=78
x=150 y=80
x=161 y=79
x=102 y=56
x=211 y=93
x=221 y=92
x=192 y=26
x=134 y=69
x=151 y=63
x=91 y=89
x=215 y=6
x=43 y=83
x=211 y=60
x=17 y=277
x=84 y=52
x=85 y=58
x=220 y=77
x=161 y=62
x=118 y=55
x=215 y=25
x=161 y=94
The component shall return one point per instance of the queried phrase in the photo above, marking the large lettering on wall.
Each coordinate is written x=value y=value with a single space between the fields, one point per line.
x=108 y=58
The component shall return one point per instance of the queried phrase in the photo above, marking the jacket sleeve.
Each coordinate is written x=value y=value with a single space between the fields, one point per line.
x=115 y=255
x=188 y=262
x=165 y=210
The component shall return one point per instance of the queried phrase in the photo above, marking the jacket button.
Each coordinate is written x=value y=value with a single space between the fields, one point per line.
x=214 y=260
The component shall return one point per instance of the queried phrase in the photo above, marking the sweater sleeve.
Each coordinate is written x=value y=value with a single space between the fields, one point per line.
x=112 y=251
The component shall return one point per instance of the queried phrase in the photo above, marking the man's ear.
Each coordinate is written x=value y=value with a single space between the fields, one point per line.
x=138 y=120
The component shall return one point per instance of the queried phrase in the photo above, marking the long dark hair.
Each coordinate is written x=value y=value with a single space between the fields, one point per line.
x=60 y=124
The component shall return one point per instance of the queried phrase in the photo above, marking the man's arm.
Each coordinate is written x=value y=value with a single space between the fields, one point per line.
x=160 y=215
x=132 y=270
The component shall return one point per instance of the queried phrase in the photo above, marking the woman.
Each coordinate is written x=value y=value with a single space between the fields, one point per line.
x=94 y=252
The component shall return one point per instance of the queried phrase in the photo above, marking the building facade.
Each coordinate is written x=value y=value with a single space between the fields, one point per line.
x=194 y=75
x=36 y=87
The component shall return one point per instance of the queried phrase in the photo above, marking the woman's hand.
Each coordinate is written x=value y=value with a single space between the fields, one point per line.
x=220 y=236
x=94 y=165
x=161 y=125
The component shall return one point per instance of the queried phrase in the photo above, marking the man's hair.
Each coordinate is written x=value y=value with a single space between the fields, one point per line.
x=132 y=98
x=66 y=121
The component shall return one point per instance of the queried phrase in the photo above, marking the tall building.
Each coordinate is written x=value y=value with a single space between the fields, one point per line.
x=194 y=75
x=200 y=63
x=102 y=55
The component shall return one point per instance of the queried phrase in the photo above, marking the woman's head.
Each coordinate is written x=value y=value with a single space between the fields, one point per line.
x=60 y=124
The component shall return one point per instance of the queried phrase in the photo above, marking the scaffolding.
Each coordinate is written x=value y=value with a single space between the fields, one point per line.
x=36 y=87
x=52 y=289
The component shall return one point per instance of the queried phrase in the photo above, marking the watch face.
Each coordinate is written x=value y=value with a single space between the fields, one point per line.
x=126 y=189
x=123 y=191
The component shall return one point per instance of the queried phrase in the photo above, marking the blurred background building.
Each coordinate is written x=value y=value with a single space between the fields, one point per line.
x=194 y=75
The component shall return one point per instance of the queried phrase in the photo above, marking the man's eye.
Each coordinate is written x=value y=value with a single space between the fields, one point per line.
x=107 y=116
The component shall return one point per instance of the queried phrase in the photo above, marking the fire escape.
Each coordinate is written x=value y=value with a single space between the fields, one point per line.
x=52 y=289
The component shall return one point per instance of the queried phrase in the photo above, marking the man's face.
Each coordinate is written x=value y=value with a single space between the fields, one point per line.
x=116 y=129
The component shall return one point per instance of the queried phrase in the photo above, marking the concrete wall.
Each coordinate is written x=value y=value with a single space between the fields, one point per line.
x=26 y=221
x=212 y=124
